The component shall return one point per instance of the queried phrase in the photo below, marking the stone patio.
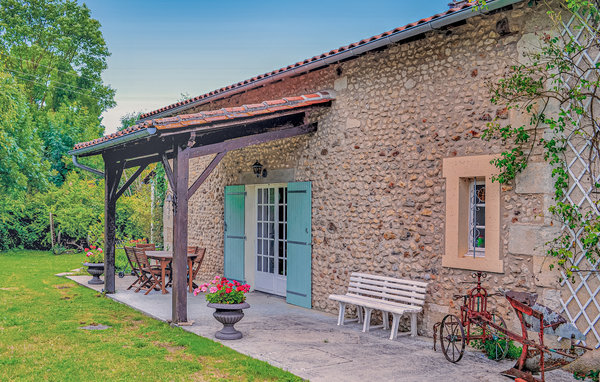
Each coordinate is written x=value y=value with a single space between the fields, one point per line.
x=309 y=344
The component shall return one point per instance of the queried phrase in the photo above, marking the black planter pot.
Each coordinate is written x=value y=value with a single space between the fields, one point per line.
x=95 y=269
x=228 y=315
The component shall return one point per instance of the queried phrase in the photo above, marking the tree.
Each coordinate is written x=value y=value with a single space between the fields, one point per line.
x=23 y=168
x=56 y=52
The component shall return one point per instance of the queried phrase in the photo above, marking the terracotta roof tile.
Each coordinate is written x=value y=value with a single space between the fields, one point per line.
x=212 y=116
x=317 y=57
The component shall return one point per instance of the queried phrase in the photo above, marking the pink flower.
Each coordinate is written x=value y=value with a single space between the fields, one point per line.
x=89 y=254
x=100 y=250
x=203 y=288
x=196 y=291
x=213 y=289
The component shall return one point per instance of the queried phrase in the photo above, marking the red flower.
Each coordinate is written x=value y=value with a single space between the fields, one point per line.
x=228 y=290
x=92 y=246
x=86 y=250
x=219 y=287
x=239 y=289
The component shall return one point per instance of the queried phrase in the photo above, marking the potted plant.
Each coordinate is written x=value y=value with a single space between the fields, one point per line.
x=94 y=261
x=228 y=298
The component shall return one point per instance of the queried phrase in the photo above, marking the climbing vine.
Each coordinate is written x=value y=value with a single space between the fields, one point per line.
x=557 y=91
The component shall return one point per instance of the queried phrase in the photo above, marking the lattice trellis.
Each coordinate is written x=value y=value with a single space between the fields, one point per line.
x=580 y=300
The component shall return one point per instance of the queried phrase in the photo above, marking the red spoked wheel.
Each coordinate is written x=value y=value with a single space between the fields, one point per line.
x=452 y=338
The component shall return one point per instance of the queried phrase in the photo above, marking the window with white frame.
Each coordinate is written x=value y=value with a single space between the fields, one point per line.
x=477 y=217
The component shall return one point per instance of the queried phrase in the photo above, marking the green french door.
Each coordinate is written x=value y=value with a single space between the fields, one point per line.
x=235 y=232
x=299 y=244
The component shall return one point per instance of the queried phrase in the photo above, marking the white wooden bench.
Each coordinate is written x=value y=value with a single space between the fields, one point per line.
x=387 y=294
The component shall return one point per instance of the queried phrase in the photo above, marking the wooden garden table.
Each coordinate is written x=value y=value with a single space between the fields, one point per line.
x=164 y=258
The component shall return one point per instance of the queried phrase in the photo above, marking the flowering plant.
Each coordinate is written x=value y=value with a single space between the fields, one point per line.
x=138 y=241
x=94 y=254
x=223 y=291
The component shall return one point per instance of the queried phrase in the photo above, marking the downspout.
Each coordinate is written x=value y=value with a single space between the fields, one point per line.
x=86 y=168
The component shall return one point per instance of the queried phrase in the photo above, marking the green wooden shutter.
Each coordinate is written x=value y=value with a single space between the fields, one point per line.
x=299 y=238
x=235 y=233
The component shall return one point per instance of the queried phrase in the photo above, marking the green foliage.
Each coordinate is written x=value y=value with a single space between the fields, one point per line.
x=94 y=254
x=594 y=375
x=23 y=167
x=57 y=51
x=555 y=88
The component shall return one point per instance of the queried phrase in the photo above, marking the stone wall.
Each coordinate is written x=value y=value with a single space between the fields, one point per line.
x=375 y=164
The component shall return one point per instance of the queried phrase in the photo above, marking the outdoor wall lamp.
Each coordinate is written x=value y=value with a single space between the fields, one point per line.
x=258 y=170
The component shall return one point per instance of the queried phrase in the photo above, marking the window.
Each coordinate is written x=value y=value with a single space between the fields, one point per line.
x=477 y=217
x=472 y=235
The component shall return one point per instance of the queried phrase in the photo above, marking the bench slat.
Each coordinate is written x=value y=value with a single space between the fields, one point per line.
x=382 y=296
x=377 y=277
x=388 y=284
x=386 y=295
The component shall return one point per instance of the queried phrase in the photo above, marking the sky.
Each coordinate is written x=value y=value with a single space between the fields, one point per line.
x=162 y=50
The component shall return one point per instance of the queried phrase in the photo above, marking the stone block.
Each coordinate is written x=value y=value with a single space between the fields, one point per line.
x=340 y=83
x=544 y=277
x=526 y=239
x=535 y=179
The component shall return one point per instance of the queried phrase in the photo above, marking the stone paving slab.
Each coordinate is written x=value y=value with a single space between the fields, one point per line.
x=309 y=344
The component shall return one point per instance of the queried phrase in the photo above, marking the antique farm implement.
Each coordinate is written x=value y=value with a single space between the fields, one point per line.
x=476 y=323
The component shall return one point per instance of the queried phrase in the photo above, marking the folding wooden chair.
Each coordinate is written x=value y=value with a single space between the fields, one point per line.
x=152 y=274
x=135 y=268
x=197 y=262
x=146 y=247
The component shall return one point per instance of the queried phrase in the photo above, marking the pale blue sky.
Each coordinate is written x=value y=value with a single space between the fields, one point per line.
x=161 y=49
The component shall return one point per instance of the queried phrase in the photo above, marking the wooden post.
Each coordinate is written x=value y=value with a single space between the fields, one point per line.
x=52 y=230
x=180 y=235
x=112 y=175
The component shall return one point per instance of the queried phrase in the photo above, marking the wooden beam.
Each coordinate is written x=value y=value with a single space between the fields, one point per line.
x=239 y=143
x=205 y=174
x=180 y=236
x=135 y=162
x=130 y=180
x=169 y=172
x=112 y=175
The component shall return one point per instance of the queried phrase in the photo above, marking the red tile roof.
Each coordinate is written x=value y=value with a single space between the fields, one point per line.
x=307 y=61
x=208 y=118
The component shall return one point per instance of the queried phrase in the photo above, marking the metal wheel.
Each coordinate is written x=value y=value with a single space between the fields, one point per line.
x=497 y=346
x=452 y=338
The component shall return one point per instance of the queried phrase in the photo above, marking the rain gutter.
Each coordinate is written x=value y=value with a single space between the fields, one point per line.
x=114 y=142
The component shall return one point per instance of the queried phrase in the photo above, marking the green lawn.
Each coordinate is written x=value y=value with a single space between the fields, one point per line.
x=39 y=337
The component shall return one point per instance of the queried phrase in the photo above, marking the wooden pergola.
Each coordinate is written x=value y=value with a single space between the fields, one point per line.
x=179 y=139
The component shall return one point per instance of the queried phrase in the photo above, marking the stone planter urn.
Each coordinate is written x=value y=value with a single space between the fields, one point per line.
x=95 y=269
x=228 y=315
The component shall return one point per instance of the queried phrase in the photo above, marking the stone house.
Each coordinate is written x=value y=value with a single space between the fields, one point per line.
x=395 y=181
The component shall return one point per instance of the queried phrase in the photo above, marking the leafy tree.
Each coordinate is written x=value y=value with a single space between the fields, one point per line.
x=23 y=168
x=56 y=51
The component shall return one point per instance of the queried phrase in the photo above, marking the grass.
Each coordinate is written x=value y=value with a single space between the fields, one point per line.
x=40 y=339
